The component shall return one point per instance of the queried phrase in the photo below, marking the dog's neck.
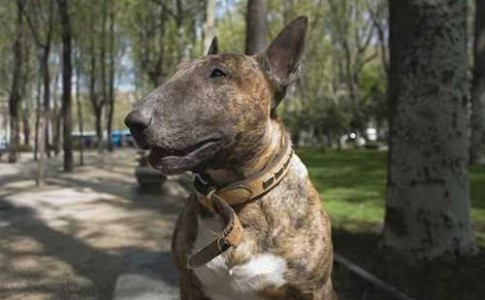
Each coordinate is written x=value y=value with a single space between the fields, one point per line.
x=271 y=146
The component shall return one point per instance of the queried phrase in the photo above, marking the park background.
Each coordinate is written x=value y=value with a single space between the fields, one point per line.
x=388 y=114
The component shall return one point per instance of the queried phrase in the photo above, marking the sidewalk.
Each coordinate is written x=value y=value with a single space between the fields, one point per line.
x=73 y=238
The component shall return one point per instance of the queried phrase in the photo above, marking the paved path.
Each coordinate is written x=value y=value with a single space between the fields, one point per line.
x=74 y=238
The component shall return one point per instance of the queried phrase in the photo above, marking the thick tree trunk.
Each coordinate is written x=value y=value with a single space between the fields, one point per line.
x=477 y=147
x=256 y=26
x=15 y=97
x=428 y=196
x=66 y=82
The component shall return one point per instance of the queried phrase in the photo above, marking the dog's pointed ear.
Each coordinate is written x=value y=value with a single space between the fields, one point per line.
x=214 y=47
x=280 y=61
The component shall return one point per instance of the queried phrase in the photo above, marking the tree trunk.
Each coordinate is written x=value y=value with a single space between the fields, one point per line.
x=98 y=122
x=209 y=25
x=37 y=121
x=428 y=195
x=97 y=105
x=256 y=26
x=477 y=147
x=47 y=82
x=111 y=81
x=15 y=97
x=66 y=82
x=179 y=21
x=39 y=154
x=102 y=60
x=57 y=120
x=26 y=128
x=79 y=113
x=47 y=96
x=44 y=47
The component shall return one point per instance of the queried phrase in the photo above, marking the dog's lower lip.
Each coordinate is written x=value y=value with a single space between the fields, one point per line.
x=187 y=151
x=183 y=160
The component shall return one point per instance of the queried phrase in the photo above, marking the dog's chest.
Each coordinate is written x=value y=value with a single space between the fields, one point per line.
x=241 y=282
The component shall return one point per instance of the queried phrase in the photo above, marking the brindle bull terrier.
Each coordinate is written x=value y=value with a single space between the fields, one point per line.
x=254 y=228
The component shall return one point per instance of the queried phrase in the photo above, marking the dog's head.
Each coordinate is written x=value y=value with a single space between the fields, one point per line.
x=215 y=110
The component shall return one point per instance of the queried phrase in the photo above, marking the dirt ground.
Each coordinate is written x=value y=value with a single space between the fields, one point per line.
x=68 y=240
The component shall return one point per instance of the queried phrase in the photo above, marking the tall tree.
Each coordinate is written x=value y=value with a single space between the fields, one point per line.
x=79 y=107
x=43 y=111
x=209 y=26
x=353 y=31
x=428 y=195
x=43 y=42
x=15 y=92
x=63 y=7
x=256 y=26
x=97 y=102
x=151 y=54
x=111 y=78
x=477 y=147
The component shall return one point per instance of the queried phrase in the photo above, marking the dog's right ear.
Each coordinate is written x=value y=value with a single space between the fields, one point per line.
x=280 y=60
x=214 y=47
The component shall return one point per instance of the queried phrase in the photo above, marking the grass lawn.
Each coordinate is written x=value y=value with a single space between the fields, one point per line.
x=353 y=184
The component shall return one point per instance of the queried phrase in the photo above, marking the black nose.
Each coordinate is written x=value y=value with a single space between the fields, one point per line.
x=138 y=120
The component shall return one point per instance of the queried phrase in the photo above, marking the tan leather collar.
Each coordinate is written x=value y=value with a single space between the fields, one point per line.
x=252 y=187
x=220 y=201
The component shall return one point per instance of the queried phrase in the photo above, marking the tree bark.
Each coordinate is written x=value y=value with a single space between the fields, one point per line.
x=15 y=97
x=66 y=82
x=47 y=82
x=79 y=111
x=45 y=47
x=179 y=21
x=209 y=25
x=256 y=26
x=26 y=128
x=428 y=195
x=477 y=147
x=39 y=155
x=96 y=104
x=111 y=80
x=37 y=116
x=57 y=118
x=102 y=61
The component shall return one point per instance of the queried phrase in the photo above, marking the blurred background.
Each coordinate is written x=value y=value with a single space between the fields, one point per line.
x=388 y=114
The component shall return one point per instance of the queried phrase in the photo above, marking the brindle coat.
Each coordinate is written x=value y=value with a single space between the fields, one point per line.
x=215 y=115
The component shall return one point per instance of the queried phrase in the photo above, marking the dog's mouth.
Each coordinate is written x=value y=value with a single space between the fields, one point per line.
x=192 y=157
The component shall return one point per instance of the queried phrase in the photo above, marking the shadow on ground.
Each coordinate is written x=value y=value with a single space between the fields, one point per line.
x=72 y=239
x=421 y=280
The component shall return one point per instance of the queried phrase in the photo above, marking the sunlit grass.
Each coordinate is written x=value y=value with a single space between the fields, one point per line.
x=352 y=184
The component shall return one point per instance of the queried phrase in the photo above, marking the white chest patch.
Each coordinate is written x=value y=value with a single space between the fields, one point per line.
x=242 y=282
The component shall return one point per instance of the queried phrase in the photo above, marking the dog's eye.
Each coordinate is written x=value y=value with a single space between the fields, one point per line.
x=217 y=73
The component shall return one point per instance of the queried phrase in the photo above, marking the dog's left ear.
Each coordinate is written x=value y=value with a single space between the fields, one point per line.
x=280 y=60
x=214 y=47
